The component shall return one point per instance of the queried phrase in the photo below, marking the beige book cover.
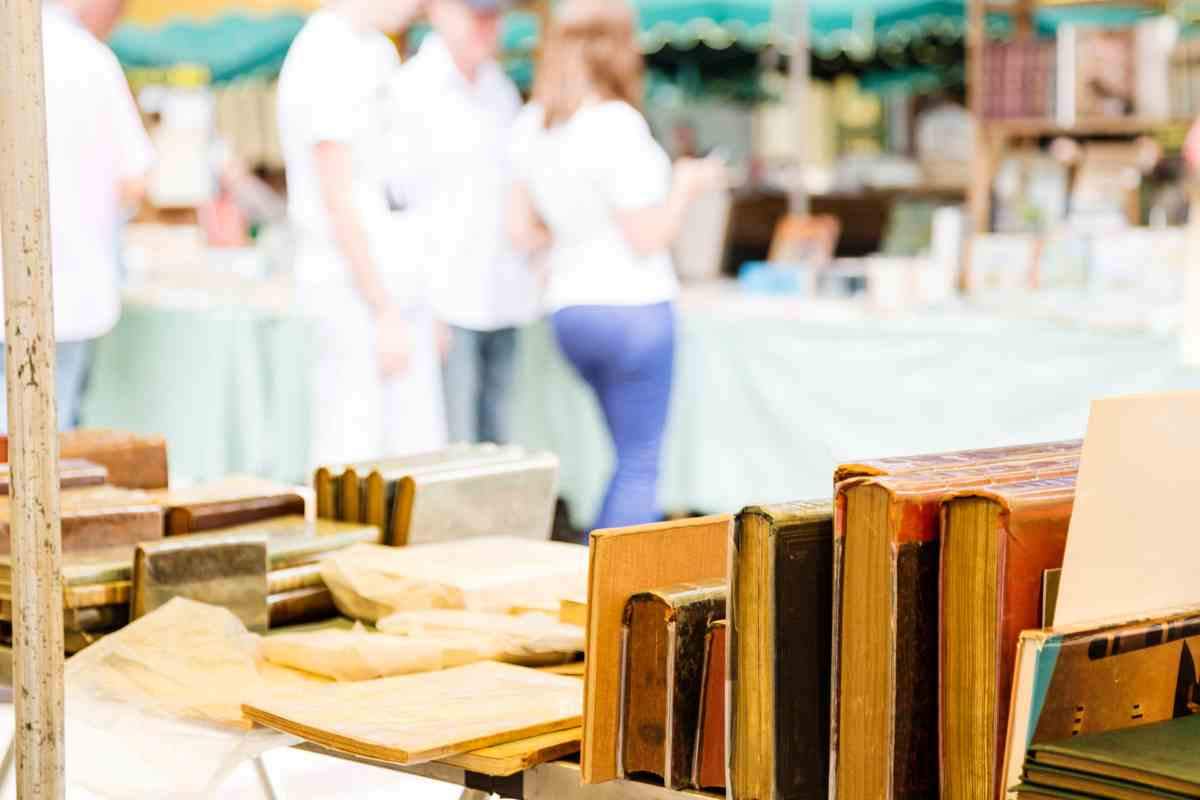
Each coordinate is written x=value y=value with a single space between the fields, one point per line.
x=1132 y=546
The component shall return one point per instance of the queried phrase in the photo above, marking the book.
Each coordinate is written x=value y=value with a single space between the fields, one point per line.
x=885 y=700
x=491 y=573
x=624 y=562
x=511 y=498
x=664 y=632
x=781 y=583
x=73 y=473
x=1161 y=756
x=299 y=606
x=97 y=517
x=228 y=502
x=708 y=770
x=530 y=639
x=996 y=546
x=1076 y=680
x=1136 y=479
x=1044 y=781
x=132 y=461
x=424 y=717
x=899 y=465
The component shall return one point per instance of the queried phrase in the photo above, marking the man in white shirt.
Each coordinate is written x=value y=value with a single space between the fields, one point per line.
x=453 y=109
x=377 y=387
x=99 y=156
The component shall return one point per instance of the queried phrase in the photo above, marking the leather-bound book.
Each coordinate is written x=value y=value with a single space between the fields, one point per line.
x=227 y=503
x=73 y=473
x=98 y=517
x=664 y=634
x=885 y=615
x=902 y=465
x=780 y=642
x=708 y=770
x=132 y=461
x=996 y=545
x=298 y=606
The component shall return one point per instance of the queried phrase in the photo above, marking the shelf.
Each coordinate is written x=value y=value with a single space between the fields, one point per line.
x=1112 y=126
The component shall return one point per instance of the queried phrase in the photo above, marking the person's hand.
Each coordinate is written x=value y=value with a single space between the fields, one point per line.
x=393 y=342
x=697 y=176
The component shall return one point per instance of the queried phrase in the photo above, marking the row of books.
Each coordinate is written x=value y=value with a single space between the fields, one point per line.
x=870 y=641
x=1088 y=73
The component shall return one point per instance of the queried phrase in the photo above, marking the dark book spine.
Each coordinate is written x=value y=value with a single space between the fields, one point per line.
x=915 y=760
x=803 y=657
x=691 y=627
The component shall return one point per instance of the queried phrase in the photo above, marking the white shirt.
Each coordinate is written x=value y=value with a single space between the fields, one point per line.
x=331 y=89
x=450 y=169
x=579 y=173
x=94 y=141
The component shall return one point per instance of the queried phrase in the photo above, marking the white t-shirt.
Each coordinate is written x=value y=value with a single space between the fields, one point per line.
x=94 y=140
x=331 y=89
x=450 y=167
x=602 y=160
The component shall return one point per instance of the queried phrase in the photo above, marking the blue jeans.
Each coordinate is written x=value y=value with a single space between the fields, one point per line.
x=479 y=384
x=73 y=364
x=627 y=355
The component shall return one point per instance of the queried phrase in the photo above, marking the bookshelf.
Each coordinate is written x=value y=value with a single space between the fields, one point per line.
x=994 y=136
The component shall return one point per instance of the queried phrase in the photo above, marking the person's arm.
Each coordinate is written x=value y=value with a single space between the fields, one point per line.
x=334 y=172
x=654 y=229
x=528 y=232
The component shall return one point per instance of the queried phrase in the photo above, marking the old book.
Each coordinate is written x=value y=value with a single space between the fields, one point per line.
x=229 y=572
x=361 y=655
x=885 y=699
x=503 y=760
x=573 y=611
x=326 y=493
x=780 y=647
x=228 y=502
x=1050 y=584
x=1161 y=756
x=304 y=576
x=1044 y=781
x=1098 y=677
x=901 y=465
x=490 y=573
x=98 y=517
x=132 y=461
x=1137 y=473
x=416 y=718
x=996 y=546
x=350 y=496
x=708 y=769
x=624 y=562
x=663 y=634
x=298 y=606
x=73 y=473
x=531 y=639
x=511 y=498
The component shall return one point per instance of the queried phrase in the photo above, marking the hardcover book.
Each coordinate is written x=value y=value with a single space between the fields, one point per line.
x=996 y=546
x=132 y=461
x=709 y=770
x=664 y=633
x=237 y=500
x=779 y=651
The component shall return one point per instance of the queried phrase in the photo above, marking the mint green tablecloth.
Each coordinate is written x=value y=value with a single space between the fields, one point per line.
x=229 y=388
x=764 y=406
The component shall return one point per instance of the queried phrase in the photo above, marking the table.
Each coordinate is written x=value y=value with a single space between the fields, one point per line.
x=770 y=394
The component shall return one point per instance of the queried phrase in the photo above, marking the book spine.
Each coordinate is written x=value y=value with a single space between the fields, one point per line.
x=915 y=758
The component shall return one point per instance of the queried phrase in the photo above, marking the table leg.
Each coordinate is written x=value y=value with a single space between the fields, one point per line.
x=265 y=780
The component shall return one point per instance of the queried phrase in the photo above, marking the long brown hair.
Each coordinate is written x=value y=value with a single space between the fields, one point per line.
x=591 y=49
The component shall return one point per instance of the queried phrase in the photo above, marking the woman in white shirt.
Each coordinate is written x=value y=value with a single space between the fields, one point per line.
x=599 y=195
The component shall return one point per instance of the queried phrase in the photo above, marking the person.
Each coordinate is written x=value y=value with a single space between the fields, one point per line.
x=453 y=111
x=98 y=156
x=377 y=385
x=596 y=190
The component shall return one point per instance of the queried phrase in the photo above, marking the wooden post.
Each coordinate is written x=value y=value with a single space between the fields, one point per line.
x=33 y=438
x=980 y=172
x=799 y=86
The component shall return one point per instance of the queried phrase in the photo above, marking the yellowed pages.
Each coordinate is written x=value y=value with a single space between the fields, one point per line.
x=1132 y=543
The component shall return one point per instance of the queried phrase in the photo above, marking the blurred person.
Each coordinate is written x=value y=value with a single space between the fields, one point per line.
x=599 y=193
x=377 y=387
x=99 y=155
x=453 y=109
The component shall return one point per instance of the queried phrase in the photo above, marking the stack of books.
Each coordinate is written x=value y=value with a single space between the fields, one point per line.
x=1020 y=77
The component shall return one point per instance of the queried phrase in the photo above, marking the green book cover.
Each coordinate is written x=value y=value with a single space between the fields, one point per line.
x=1160 y=754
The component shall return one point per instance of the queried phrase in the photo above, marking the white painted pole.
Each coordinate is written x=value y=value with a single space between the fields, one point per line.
x=33 y=438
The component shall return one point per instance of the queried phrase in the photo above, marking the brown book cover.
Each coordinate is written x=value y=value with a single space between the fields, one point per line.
x=709 y=768
x=885 y=710
x=229 y=502
x=73 y=473
x=901 y=465
x=132 y=461
x=780 y=642
x=97 y=517
x=313 y=604
x=663 y=634
x=996 y=546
